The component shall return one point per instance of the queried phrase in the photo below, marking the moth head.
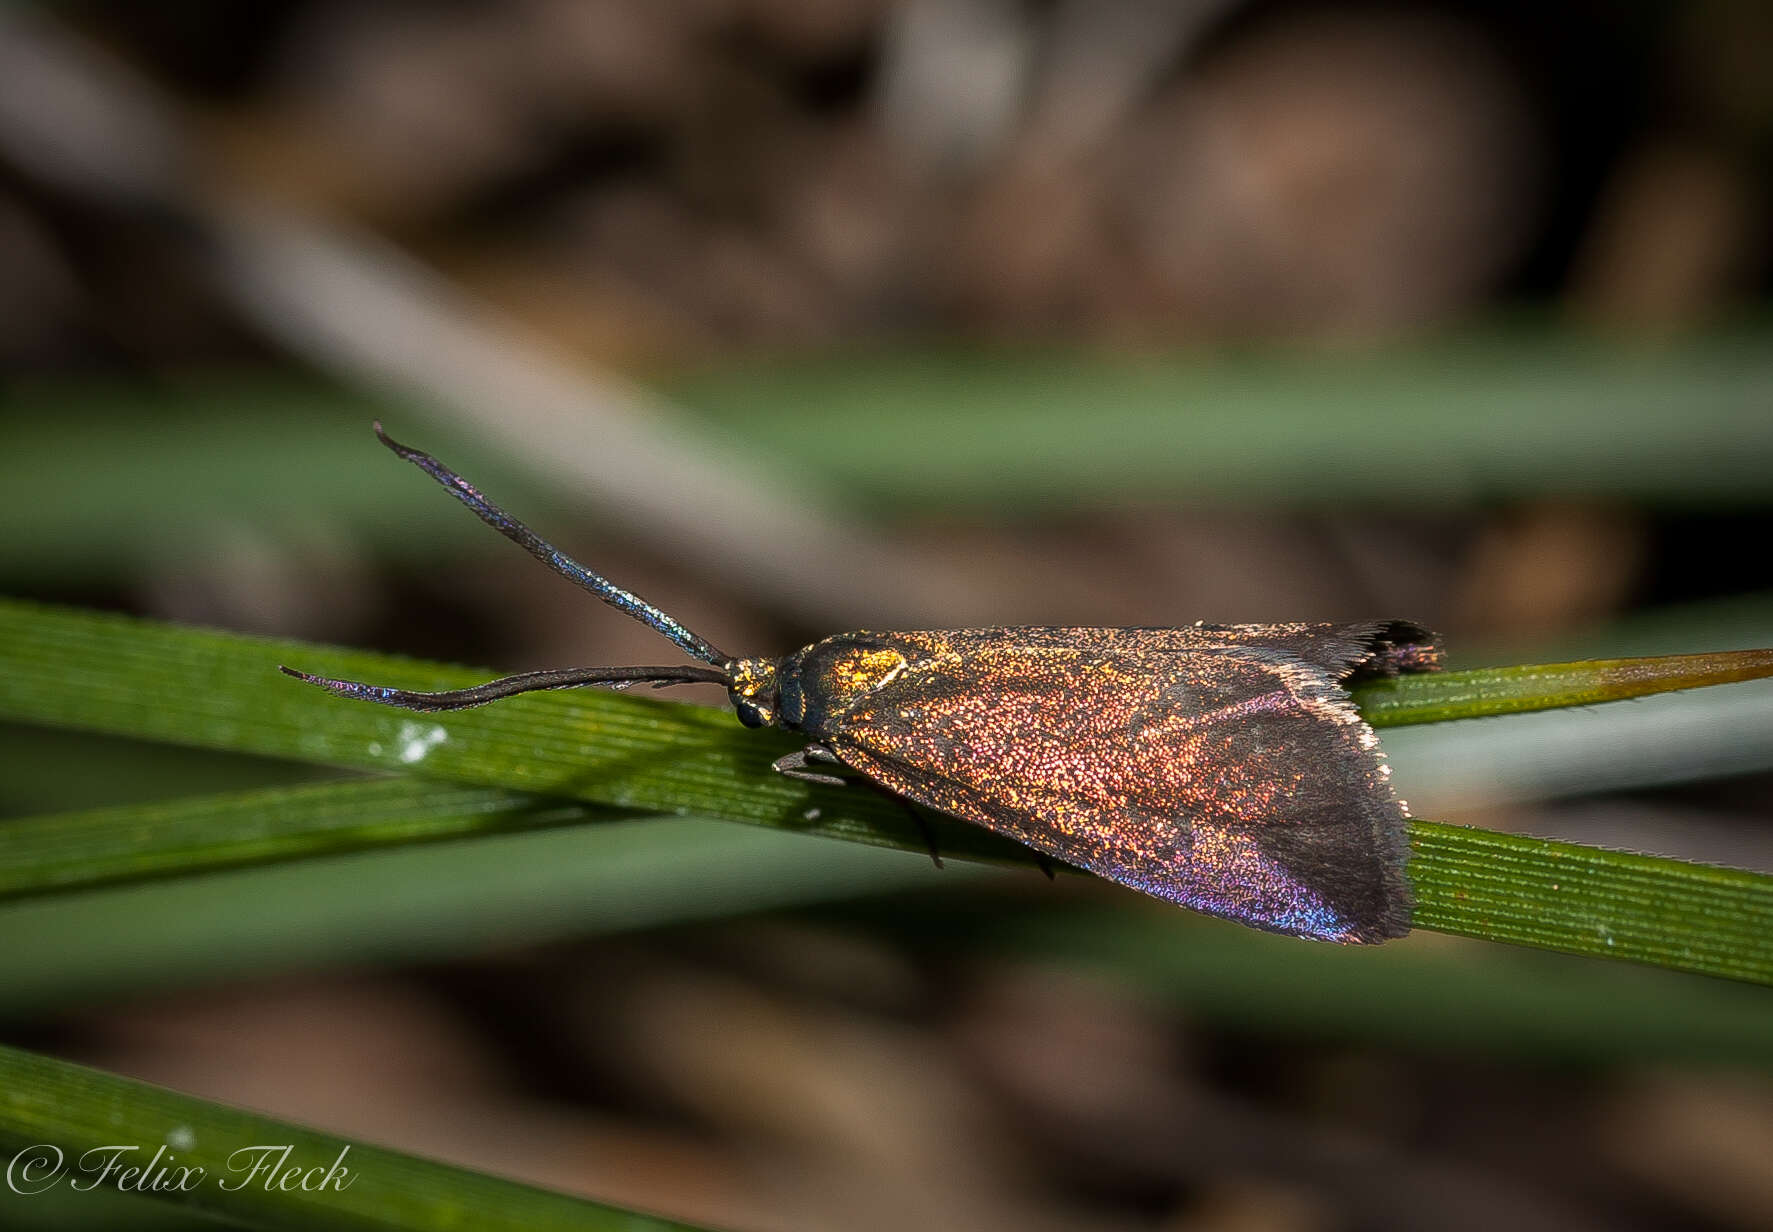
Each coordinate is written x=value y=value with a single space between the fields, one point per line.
x=829 y=677
x=756 y=691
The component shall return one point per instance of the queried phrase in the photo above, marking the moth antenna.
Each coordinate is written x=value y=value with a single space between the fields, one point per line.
x=507 y=686
x=508 y=526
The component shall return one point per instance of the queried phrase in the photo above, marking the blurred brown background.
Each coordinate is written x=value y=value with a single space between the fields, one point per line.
x=799 y=316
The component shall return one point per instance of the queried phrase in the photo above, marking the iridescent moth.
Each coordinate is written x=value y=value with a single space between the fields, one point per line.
x=1221 y=767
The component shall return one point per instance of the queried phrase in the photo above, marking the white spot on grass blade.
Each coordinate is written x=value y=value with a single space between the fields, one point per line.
x=418 y=739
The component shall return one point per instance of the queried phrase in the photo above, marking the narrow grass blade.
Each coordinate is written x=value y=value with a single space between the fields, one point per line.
x=137 y=678
x=53 y=1110
x=106 y=673
x=1489 y=691
x=1588 y=900
x=430 y=902
x=195 y=834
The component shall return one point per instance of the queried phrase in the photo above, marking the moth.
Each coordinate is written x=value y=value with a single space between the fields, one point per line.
x=1220 y=767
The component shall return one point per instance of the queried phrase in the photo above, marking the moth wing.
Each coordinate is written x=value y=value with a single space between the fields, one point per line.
x=1237 y=780
x=1364 y=648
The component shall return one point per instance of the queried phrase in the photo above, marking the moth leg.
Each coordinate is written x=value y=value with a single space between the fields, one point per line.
x=923 y=827
x=794 y=765
x=1044 y=863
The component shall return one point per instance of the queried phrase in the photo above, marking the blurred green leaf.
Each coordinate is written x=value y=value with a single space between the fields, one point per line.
x=165 y=476
x=1451 y=421
x=75 y=1110
x=133 y=677
x=1427 y=992
x=176 y=470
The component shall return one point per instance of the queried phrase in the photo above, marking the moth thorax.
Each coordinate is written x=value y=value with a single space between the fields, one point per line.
x=823 y=681
x=755 y=691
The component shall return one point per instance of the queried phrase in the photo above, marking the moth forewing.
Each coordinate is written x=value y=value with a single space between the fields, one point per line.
x=1228 y=776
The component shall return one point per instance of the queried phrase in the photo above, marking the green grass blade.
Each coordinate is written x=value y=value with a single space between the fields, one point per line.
x=429 y=902
x=111 y=674
x=1483 y=692
x=174 y=475
x=1588 y=900
x=47 y=1102
x=197 y=834
x=117 y=675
